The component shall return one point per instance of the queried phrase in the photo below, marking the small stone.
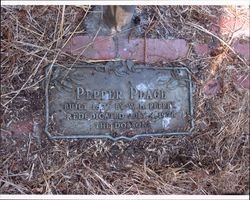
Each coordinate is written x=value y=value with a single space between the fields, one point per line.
x=212 y=87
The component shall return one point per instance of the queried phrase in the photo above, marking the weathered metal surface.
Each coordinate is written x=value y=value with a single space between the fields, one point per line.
x=117 y=100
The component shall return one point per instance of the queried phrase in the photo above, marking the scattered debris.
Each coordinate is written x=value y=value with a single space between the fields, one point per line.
x=213 y=160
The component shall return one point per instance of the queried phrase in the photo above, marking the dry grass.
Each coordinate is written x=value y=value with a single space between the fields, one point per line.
x=213 y=160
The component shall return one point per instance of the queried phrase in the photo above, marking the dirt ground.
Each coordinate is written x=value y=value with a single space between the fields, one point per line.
x=214 y=159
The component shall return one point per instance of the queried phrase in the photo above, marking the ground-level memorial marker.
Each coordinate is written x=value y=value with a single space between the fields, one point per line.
x=117 y=100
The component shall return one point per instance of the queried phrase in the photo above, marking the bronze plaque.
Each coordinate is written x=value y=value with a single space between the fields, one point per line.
x=117 y=100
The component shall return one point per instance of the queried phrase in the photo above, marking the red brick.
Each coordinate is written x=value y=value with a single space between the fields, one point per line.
x=157 y=50
x=100 y=48
x=243 y=49
x=201 y=49
x=103 y=48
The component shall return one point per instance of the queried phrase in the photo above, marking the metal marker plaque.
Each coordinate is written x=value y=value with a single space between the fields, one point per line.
x=117 y=100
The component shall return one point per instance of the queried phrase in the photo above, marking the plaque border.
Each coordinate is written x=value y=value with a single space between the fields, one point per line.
x=48 y=71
